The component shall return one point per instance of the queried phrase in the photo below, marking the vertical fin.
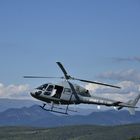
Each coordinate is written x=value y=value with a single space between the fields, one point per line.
x=133 y=103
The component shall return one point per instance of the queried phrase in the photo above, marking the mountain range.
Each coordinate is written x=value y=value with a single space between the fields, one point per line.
x=35 y=116
x=15 y=103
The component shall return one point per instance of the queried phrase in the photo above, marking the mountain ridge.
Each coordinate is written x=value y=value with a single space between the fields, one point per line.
x=6 y=103
x=37 y=117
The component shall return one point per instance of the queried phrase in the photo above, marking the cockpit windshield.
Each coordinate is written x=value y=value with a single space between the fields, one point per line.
x=50 y=88
x=42 y=87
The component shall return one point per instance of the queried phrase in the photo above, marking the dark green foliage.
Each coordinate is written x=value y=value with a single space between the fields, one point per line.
x=84 y=132
x=135 y=138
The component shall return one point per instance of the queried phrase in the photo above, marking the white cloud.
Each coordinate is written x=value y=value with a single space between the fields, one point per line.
x=123 y=75
x=14 y=91
x=130 y=85
x=129 y=90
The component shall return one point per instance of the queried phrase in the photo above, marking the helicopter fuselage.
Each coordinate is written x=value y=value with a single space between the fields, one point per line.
x=59 y=93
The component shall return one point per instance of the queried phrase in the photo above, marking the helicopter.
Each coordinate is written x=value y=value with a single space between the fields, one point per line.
x=68 y=93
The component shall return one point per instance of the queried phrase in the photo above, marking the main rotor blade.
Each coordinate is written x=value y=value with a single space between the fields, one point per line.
x=63 y=70
x=87 y=81
x=41 y=77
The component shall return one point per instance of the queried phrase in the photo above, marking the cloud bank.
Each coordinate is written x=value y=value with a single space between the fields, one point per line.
x=129 y=81
x=127 y=59
x=14 y=91
x=128 y=91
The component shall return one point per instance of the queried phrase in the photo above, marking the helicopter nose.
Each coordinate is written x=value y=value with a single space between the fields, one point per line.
x=32 y=94
x=35 y=93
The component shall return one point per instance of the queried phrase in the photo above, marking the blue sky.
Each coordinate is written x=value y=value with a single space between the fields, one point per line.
x=88 y=36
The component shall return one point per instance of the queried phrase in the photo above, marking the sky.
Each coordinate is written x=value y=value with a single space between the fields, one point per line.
x=94 y=39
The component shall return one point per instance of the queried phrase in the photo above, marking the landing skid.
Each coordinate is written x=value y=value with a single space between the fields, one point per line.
x=65 y=113
x=52 y=107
